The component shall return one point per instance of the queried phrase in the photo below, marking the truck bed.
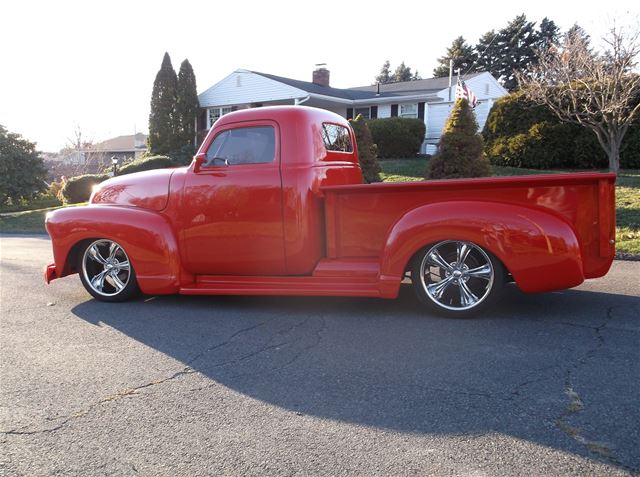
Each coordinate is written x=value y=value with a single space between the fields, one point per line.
x=359 y=218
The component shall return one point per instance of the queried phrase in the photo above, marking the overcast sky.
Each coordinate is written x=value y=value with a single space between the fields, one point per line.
x=92 y=64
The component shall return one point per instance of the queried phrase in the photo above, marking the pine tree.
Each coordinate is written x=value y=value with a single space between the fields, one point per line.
x=162 y=119
x=187 y=106
x=548 y=35
x=516 y=44
x=462 y=55
x=402 y=73
x=460 y=149
x=488 y=54
x=367 y=150
x=385 y=73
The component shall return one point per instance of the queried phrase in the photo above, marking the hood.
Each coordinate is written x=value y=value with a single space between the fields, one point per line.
x=147 y=190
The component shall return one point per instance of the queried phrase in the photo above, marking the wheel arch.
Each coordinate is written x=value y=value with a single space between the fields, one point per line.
x=539 y=250
x=146 y=236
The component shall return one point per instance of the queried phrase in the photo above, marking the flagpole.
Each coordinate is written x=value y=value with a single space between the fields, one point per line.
x=450 y=76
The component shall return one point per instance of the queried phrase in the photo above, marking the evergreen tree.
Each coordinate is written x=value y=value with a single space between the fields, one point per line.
x=22 y=171
x=187 y=106
x=548 y=35
x=385 y=73
x=402 y=73
x=516 y=43
x=488 y=54
x=461 y=53
x=162 y=119
x=367 y=150
x=460 y=147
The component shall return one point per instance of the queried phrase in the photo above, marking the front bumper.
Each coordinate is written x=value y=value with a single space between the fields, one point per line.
x=50 y=273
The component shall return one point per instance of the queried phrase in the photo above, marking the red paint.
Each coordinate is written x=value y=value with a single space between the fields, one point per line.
x=305 y=224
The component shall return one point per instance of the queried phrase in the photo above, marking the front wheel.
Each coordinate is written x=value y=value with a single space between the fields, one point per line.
x=106 y=272
x=456 y=278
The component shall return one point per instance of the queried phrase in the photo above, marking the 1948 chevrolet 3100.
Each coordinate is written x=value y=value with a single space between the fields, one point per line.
x=273 y=204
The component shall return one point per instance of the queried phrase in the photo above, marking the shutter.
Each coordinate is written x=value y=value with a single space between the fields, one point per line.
x=349 y=113
x=421 y=111
x=394 y=110
x=374 y=112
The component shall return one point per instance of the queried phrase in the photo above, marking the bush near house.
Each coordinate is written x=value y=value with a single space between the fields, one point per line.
x=397 y=137
x=367 y=150
x=460 y=148
x=519 y=133
x=78 y=189
x=146 y=163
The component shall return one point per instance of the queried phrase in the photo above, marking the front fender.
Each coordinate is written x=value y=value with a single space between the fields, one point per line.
x=146 y=236
x=540 y=250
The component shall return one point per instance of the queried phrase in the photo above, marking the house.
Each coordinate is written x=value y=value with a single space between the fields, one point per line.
x=428 y=99
x=123 y=148
x=95 y=158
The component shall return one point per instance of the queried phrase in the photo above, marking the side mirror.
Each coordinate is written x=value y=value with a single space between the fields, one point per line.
x=198 y=161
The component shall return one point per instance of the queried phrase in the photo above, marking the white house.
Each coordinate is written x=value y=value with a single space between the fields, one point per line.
x=426 y=99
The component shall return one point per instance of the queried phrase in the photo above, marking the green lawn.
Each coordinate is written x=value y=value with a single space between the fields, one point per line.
x=627 y=196
x=28 y=221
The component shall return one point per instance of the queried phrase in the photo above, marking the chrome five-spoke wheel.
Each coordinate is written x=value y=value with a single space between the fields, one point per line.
x=456 y=278
x=106 y=271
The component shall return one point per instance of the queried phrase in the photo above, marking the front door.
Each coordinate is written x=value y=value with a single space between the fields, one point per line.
x=232 y=208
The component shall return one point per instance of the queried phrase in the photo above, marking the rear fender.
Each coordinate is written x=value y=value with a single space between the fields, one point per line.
x=540 y=250
x=146 y=236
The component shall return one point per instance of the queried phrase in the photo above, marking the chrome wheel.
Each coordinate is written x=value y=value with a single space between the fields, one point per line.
x=456 y=276
x=106 y=270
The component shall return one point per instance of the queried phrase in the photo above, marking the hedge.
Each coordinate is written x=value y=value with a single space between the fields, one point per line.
x=397 y=137
x=78 y=189
x=519 y=133
x=146 y=163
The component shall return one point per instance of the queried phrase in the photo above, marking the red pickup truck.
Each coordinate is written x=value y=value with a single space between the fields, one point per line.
x=273 y=204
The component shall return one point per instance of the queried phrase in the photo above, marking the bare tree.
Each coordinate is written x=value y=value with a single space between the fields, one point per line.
x=597 y=90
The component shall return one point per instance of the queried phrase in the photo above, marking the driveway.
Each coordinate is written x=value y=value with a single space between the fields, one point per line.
x=541 y=384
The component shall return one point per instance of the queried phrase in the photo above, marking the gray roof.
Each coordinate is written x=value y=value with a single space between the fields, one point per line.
x=428 y=85
x=390 y=90
x=319 y=89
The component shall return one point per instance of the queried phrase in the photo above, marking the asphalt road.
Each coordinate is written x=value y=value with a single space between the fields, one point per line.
x=546 y=384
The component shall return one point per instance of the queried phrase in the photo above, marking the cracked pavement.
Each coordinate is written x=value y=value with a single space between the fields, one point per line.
x=540 y=385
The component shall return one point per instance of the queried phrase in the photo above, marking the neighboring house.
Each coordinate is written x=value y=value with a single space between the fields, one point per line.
x=427 y=99
x=124 y=148
x=96 y=158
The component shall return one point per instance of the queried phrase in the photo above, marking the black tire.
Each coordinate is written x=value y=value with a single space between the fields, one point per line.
x=456 y=278
x=106 y=271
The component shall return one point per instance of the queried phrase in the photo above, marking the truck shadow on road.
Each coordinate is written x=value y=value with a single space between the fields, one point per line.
x=556 y=369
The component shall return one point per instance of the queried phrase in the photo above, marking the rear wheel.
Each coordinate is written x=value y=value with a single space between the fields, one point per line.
x=457 y=278
x=106 y=272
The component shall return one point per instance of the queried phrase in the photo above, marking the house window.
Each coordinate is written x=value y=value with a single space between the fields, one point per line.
x=336 y=138
x=216 y=113
x=408 y=111
x=364 y=111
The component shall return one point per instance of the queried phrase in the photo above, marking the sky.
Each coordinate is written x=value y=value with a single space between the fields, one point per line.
x=90 y=65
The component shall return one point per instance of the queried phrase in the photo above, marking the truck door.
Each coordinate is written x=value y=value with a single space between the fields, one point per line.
x=232 y=207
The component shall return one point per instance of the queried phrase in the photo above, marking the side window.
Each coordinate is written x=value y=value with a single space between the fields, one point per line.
x=336 y=138
x=255 y=145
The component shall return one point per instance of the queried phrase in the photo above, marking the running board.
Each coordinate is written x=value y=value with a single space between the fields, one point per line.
x=291 y=286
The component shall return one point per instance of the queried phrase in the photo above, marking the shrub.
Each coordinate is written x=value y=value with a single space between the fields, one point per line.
x=367 y=150
x=520 y=133
x=460 y=147
x=78 y=189
x=397 y=137
x=146 y=163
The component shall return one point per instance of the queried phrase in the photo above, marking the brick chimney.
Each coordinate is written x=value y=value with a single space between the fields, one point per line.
x=321 y=75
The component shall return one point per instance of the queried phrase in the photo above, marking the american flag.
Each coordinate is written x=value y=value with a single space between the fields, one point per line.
x=463 y=91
